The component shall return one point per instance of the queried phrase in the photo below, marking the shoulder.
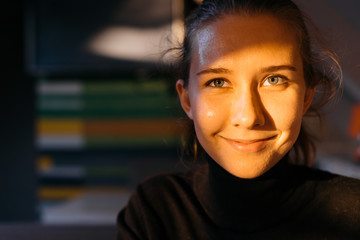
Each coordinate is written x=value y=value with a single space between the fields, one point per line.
x=330 y=184
x=156 y=204
x=341 y=193
x=335 y=199
x=163 y=184
x=330 y=181
x=161 y=192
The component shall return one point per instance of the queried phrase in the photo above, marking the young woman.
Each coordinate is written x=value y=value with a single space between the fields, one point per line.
x=248 y=76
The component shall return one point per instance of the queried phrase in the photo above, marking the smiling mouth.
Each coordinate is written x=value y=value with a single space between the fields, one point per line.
x=249 y=145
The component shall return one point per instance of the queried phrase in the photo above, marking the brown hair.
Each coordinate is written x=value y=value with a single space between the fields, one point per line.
x=321 y=68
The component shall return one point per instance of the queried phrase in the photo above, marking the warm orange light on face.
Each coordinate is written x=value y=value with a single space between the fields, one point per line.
x=246 y=92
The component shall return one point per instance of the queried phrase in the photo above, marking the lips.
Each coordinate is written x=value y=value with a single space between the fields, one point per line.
x=249 y=145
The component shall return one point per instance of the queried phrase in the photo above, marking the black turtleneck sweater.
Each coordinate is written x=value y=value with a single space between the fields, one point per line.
x=287 y=202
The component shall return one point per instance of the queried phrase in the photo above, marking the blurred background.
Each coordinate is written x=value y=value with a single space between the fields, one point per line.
x=88 y=107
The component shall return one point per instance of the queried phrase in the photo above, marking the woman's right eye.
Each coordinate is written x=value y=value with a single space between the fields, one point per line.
x=218 y=83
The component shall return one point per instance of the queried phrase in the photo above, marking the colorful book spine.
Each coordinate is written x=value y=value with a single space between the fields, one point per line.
x=106 y=114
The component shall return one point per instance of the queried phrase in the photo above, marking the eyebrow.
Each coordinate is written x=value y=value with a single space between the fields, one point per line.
x=266 y=69
x=279 y=67
x=214 y=70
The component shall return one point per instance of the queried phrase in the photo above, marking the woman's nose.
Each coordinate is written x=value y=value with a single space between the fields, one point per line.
x=247 y=110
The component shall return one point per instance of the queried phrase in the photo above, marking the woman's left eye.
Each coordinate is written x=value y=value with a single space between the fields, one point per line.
x=273 y=80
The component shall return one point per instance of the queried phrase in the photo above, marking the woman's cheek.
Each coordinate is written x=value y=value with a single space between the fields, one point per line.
x=287 y=117
x=285 y=110
x=210 y=114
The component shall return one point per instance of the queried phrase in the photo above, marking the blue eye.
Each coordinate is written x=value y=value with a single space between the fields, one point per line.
x=218 y=82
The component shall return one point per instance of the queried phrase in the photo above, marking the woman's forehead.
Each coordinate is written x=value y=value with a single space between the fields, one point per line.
x=234 y=33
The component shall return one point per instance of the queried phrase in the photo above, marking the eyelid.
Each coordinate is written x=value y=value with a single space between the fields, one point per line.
x=226 y=82
x=283 y=80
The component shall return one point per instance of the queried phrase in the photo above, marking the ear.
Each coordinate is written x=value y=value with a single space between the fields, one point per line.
x=184 y=97
x=309 y=95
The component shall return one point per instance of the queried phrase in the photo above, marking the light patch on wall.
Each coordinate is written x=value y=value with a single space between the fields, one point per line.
x=144 y=44
x=131 y=43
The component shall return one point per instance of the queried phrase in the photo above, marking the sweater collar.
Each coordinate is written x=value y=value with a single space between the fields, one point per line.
x=246 y=204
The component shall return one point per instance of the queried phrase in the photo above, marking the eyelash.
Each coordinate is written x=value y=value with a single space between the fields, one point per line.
x=211 y=83
x=282 y=80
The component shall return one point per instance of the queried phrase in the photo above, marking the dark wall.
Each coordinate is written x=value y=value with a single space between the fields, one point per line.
x=17 y=151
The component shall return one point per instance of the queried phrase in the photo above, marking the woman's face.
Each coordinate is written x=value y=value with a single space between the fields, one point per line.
x=246 y=93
